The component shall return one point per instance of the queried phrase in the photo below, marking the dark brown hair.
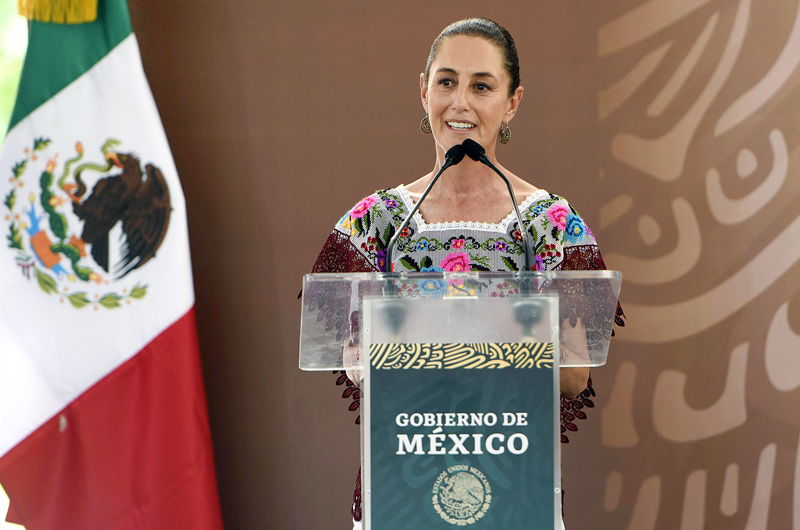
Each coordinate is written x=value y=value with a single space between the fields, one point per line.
x=489 y=30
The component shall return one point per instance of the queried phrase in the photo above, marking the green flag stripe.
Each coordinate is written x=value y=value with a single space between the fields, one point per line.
x=58 y=54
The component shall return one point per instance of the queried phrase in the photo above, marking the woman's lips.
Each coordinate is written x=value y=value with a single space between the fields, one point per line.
x=460 y=125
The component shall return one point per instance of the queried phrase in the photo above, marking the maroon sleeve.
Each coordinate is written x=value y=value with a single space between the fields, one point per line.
x=584 y=257
x=338 y=254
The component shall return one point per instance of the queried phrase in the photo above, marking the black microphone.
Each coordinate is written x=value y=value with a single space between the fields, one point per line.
x=475 y=151
x=394 y=313
x=526 y=311
x=453 y=156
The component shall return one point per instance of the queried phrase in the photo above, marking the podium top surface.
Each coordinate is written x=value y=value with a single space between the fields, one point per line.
x=584 y=305
x=414 y=276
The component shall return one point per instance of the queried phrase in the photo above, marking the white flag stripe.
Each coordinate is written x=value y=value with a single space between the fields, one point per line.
x=51 y=352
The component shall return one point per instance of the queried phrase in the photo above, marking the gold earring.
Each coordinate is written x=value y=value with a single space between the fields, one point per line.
x=425 y=125
x=505 y=134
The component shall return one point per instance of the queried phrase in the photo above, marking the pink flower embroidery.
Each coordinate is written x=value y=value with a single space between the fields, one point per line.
x=361 y=208
x=558 y=216
x=458 y=243
x=456 y=262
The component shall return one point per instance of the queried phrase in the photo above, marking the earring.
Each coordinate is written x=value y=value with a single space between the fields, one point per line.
x=425 y=125
x=505 y=134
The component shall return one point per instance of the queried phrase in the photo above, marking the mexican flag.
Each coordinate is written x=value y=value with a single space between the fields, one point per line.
x=103 y=420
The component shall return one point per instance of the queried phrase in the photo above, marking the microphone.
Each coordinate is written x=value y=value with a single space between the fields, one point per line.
x=475 y=151
x=527 y=312
x=394 y=313
x=453 y=156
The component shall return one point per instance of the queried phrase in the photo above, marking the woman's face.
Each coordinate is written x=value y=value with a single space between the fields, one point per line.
x=467 y=93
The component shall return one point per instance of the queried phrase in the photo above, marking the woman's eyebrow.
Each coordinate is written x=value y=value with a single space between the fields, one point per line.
x=448 y=70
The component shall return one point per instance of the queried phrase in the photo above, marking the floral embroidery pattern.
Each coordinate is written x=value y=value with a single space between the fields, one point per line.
x=550 y=221
x=558 y=215
x=548 y=256
x=432 y=287
x=560 y=240
x=504 y=289
x=456 y=262
x=574 y=229
x=362 y=207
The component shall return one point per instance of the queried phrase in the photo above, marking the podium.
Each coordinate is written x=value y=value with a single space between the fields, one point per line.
x=459 y=382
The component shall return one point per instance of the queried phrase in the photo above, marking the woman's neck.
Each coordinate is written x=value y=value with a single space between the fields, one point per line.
x=469 y=191
x=467 y=179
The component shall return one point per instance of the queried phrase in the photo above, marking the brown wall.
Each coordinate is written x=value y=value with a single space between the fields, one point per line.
x=281 y=115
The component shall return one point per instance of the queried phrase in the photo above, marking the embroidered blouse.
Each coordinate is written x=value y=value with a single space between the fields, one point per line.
x=559 y=237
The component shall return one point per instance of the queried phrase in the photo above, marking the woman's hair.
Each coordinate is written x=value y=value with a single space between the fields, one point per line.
x=489 y=30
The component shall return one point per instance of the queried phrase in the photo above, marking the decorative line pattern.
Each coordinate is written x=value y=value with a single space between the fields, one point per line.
x=642 y=22
x=415 y=356
x=681 y=74
x=712 y=279
x=663 y=158
x=467 y=225
x=611 y=98
x=769 y=85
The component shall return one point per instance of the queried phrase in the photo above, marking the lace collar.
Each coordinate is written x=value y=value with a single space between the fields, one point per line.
x=422 y=226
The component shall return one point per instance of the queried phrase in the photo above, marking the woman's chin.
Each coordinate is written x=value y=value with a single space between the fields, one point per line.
x=457 y=138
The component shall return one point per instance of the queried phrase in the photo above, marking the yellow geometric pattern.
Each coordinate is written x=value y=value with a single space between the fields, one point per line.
x=417 y=356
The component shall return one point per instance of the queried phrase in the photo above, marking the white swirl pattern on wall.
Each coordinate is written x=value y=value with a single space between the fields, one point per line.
x=663 y=158
x=782 y=352
x=731 y=211
x=767 y=86
x=703 y=402
x=687 y=66
x=676 y=421
x=678 y=262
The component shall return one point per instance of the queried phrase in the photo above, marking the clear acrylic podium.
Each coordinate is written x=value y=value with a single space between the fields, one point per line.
x=459 y=382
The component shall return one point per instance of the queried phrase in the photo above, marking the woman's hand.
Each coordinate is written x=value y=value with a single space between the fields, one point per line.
x=351 y=356
x=574 y=350
x=573 y=380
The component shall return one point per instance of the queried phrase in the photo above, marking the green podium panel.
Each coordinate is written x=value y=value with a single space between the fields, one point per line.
x=460 y=433
x=459 y=381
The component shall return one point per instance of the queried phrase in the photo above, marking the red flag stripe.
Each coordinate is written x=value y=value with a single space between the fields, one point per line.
x=131 y=452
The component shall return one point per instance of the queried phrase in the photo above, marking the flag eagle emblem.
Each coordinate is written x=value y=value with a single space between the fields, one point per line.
x=79 y=232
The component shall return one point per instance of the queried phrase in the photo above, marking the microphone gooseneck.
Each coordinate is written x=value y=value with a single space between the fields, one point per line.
x=527 y=312
x=394 y=314
x=453 y=156
x=476 y=152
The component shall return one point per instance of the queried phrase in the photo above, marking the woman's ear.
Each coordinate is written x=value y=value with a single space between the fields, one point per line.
x=514 y=103
x=423 y=91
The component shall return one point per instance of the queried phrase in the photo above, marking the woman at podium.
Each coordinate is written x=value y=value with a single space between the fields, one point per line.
x=470 y=89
